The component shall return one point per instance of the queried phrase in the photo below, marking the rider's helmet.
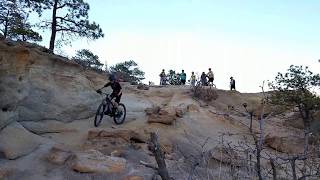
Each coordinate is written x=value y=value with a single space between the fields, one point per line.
x=112 y=77
x=231 y=77
x=209 y=69
x=162 y=70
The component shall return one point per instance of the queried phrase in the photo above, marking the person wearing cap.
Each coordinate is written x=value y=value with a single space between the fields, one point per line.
x=116 y=90
x=232 y=84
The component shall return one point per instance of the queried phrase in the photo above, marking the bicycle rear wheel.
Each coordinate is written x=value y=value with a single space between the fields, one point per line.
x=99 y=115
x=120 y=114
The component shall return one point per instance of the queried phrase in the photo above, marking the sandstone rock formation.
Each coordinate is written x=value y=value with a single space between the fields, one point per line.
x=16 y=141
x=41 y=86
x=285 y=144
x=95 y=162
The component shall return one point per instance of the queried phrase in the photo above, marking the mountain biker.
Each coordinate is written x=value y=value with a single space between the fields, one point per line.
x=183 y=77
x=232 y=84
x=193 y=79
x=116 y=90
x=162 y=77
x=210 y=76
x=203 y=79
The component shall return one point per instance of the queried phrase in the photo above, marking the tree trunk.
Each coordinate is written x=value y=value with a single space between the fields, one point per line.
x=293 y=167
x=53 y=25
x=162 y=168
x=274 y=169
x=5 y=32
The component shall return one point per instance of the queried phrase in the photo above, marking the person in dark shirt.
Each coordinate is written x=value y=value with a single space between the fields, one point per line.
x=232 y=84
x=116 y=90
x=203 y=79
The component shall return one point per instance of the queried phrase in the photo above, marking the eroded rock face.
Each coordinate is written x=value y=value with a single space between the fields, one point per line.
x=58 y=155
x=15 y=141
x=285 y=144
x=48 y=126
x=164 y=115
x=41 y=86
x=93 y=161
x=125 y=134
x=7 y=117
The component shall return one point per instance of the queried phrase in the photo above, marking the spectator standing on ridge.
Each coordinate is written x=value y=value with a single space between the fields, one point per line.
x=162 y=77
x=211 y=77
x=193 y=79
x=203 y=79
x=183 y=77
x=232 y=84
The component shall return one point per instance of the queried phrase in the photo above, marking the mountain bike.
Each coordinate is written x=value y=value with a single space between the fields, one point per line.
x=107 y=108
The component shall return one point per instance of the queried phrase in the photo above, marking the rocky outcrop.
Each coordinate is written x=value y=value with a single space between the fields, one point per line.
x=164 y=115
x=94 y=161
x=125 y=134
x=16 y=141
x=47 y=126
x=58 y=155
x=41 y=86
x=285 y=144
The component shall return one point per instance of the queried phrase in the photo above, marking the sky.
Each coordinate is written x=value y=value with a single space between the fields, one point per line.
x=248 y=39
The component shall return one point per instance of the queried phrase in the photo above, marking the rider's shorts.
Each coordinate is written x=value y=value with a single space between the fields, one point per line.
x=118 y=98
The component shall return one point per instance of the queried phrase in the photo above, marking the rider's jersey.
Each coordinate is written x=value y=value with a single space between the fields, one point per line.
x=115 y=86
x=193 y=77
x=183 y=76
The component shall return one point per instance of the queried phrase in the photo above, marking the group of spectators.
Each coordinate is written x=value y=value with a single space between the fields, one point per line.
x=206 y=79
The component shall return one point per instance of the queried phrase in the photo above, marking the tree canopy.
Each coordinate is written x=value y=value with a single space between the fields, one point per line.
x=69 y=18
x=88 y=60
x=128 y=71
x=14 y=21
x=295 y=88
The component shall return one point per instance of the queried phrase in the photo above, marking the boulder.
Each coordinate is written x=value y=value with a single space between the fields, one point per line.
x=44 y=86
x=48 y=126
x=125 y=134
x=164 y=115
x=285 y=144
x=16 y=141
x=58 y=155
x=93 y=161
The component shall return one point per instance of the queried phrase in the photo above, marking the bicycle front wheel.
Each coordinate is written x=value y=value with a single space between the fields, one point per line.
x=120 y=114
x=99 y=115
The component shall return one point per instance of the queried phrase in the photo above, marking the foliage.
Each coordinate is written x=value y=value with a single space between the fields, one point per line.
x=202 y=93
x=88 y=60
x=69 y=18
x=294 y=88
x=14 y=22
x=128 y=71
